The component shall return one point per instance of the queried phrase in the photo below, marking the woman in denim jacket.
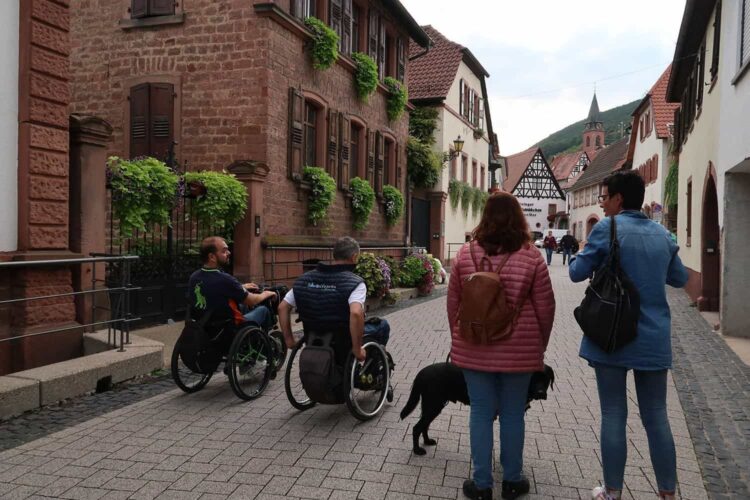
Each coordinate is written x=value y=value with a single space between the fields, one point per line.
x=648 y=256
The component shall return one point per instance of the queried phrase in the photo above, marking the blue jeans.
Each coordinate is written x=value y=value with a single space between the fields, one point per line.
x=651 y=389
x=567 y=252
x=549 y=255
x=261 y=316
x=490 y=394
x=379 y=332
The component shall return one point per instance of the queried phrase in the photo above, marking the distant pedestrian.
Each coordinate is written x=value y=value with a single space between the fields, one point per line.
x=648 y=256
x=549 y=245
x=569 y=246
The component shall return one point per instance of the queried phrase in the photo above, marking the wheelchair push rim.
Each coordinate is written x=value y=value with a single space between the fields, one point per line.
x=250 y=363
x=369 y=383
x=186 y=379
x=295 y=393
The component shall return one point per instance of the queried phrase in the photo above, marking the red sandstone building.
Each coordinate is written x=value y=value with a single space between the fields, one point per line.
x=231 y=83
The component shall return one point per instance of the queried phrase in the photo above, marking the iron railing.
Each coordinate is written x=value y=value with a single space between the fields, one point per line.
x=453 y=249
x=308 y=257
x=120 y=317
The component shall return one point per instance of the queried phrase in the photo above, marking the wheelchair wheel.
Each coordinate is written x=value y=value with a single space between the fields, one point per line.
x=369 y=383
x=250 y=363
x=293 y=384
x=186 y=379
x=279 y=349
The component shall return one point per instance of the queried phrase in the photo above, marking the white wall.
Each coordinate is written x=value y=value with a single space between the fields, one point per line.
x=701 y=148
x=449 y=127
x=645 y=150
x=9 y=15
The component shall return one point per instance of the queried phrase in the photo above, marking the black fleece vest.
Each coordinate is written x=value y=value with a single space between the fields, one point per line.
x=322 y=296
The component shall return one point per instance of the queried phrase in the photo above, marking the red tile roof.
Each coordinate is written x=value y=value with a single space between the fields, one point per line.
x=562 y=164
x=431 y=75
x=663 y=110
x=607 y=160
x=516 y=166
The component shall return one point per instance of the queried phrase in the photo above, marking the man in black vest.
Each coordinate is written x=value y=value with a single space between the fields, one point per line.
x=332 y=298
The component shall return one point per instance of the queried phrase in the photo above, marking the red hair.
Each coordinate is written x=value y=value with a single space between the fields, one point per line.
x=503 y=228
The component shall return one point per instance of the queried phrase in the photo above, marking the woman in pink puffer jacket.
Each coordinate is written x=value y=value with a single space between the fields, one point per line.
x=498 y=375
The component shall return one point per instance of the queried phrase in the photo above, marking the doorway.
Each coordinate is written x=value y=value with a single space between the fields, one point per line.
x=710 y=250
x=420 y=223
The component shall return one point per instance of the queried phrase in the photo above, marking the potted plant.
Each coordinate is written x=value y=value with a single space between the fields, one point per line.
x=363 y=199
x=397 y=98
x=394 y=204
x=220 y=200
x=365 y=75
x=322 y=193
x=325 y=44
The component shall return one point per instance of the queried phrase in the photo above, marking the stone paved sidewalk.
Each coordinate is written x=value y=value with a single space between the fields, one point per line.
x=211 y=445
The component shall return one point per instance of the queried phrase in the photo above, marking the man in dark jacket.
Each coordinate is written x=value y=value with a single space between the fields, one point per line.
x=569 y=246
x=332 y=297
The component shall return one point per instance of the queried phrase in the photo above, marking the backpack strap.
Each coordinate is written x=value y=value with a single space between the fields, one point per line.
x=480 y=266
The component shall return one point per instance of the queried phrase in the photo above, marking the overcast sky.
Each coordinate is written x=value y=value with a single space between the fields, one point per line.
x=543 y=56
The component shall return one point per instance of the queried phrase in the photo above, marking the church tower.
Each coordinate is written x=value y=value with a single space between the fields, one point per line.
x=593 y=132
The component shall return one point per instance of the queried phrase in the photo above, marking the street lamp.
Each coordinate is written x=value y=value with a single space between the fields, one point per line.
x=458 y=146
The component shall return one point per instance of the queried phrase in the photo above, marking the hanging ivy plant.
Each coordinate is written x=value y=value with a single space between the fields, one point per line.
x=143 y=192
x=322 y=193
x=394 y=204
x=467 y=194
x=325 y=44
x=225 y=200
x=363 y=198
x=365 y=76
x=397 y=97
x=455 y=189
x=479 y=198
x=670 y=185
x=423 y=165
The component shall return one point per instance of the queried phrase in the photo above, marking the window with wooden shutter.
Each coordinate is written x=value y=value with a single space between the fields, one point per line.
x=372 y=35
x=701 y=76
x=473 y=173
x=310 y=136
x=333 y=139
x=151 y=8
x=677 y=130
x=400 y=60
x=461 y=97
x=302 y=9
x=381 y=49
x=345 y=45
x=370 y=172
x=399 y=172
x=162 y=112
x=717 y=42
x=745 y=33
x=379 y=162
x=336 y=13
x=139 y=120
x=388 y=173
x=356 y=23
x=475 y=118
x=151 y=119
x=296 y=133
x=467 y=102
x=345 y=150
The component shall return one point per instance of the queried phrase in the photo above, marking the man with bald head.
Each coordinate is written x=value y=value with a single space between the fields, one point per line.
x=211 y=289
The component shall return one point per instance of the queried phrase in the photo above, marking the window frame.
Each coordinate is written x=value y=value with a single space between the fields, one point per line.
x=128 y=22
x=173 y=79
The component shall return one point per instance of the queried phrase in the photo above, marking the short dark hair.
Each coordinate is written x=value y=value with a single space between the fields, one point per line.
x=345 y=248
x=503 y=228
x=209 y=245
x=629 y=185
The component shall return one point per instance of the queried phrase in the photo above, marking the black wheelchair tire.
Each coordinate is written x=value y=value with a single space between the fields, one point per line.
x=300 y=405
x=357 y=412
x=175 y=368
x=242 y=335
x=282 y=354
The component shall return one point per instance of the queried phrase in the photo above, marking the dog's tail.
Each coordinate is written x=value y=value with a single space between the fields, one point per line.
x=412 y=402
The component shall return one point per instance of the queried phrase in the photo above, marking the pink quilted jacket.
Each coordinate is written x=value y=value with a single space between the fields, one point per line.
x=525 y=274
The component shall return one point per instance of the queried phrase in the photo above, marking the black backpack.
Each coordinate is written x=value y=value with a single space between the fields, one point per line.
x=609 y=312
x=203 y=343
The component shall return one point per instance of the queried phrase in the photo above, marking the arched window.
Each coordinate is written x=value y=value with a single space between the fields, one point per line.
x=598 y=140
x=588 y=141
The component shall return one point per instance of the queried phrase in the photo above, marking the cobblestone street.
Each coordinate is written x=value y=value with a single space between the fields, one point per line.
x=211 y=445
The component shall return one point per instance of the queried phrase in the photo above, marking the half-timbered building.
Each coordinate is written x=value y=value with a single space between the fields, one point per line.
x=530 y=179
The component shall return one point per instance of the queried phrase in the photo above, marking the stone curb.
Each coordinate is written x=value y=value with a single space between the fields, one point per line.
x=30 y=389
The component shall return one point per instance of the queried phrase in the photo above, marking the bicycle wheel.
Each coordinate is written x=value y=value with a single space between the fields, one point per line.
x=249 y=363
x=295 y=393
x=369 y=383
x=186 y=379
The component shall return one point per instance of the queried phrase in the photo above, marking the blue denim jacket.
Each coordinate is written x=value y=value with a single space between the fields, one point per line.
x=648 y=256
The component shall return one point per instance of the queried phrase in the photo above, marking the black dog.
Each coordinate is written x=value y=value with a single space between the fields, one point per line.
x=440 y=383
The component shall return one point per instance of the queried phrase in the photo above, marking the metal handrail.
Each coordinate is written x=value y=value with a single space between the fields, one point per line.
x=120 y=315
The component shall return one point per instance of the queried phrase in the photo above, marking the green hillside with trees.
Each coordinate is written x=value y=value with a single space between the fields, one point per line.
x=569 y=138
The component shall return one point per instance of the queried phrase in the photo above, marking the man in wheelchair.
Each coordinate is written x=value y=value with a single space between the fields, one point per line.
x=211 y=289
x=331 y=297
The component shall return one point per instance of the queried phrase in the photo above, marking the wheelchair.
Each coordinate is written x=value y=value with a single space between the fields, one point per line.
x=251 y=356
x=322 y=369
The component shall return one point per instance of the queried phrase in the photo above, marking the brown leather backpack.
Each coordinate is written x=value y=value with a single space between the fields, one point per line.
x=485 y=315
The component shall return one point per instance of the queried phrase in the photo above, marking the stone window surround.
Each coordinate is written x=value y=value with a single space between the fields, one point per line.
x=127 y=23
x=172 y=78
x=321 y=126
x=389 y=169
x=361 y=126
